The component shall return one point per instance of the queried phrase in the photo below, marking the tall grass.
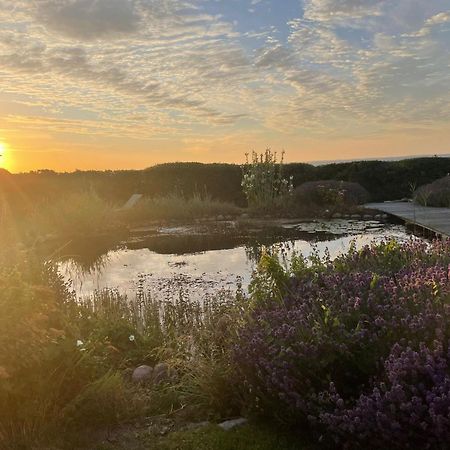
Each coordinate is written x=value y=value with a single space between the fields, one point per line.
x=177 y=207
x=77 y=214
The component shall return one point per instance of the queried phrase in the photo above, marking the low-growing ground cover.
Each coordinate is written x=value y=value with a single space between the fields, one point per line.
x=209 y=437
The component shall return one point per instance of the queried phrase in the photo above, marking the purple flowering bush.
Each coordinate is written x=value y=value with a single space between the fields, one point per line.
x=341 y=334
x=410 y=409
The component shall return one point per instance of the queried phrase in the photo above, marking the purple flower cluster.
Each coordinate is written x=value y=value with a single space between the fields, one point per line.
x=343 y=326
x=410 y=409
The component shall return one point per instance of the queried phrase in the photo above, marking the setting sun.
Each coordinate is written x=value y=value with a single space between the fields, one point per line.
x=3 y=160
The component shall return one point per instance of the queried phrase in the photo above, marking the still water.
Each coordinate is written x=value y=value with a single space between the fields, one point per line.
x=178 y=261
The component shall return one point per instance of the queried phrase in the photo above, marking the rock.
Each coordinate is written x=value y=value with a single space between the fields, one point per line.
x=230 y=424
x=245 y=216
x=220 y=217
x=377 y=216
x=367 y=216
x=142 y=374
x=160 y=373
x=384 y=216
x=356 y=216
x=337 y=216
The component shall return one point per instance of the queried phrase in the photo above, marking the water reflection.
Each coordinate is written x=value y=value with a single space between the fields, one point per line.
x=201 y=265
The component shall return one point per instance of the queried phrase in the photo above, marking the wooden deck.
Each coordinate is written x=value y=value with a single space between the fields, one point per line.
x=436 y=220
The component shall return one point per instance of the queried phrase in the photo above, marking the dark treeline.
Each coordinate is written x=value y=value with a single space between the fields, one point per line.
x=384 y=180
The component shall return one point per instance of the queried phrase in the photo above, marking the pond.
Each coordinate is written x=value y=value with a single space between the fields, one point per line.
x=200 y=261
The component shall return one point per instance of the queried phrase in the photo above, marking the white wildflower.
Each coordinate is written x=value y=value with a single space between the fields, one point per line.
x=131 y=338
x=80 y=343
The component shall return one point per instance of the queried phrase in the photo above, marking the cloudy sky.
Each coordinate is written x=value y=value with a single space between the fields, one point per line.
x=130 y=83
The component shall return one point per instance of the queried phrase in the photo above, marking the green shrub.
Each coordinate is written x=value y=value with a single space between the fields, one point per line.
x=436 y=193
x=336 y=195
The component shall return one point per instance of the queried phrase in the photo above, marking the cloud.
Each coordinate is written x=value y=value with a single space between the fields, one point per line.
x=438 y=19
x=332 y=10
x=89 y=19
x=169 y=67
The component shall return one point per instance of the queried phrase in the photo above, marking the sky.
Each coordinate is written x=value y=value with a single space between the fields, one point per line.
x=109 y=84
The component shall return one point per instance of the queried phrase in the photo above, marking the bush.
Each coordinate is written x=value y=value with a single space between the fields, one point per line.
x=436 y=193
x=331 y=194
x=332 y=335
x=410 y=408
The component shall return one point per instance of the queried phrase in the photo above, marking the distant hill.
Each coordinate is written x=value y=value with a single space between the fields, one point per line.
x=384 y=180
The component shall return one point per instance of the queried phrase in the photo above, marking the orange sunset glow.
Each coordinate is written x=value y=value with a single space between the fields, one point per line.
x=96 y=84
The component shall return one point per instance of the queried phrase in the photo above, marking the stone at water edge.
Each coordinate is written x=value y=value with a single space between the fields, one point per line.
x=160 y=373
x=337 y=216
x=142 y=374
x=230 y=424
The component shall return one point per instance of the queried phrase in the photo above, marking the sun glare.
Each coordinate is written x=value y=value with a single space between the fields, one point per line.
x=3 y=159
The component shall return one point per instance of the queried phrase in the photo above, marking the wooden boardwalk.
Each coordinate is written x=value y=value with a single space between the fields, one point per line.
x=436 y=220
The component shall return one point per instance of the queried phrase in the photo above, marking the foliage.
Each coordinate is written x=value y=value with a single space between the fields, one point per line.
x=436 y=193
x=200 y=339
x=332 y=194
x=408 y=409
x=384 y=180
x=77 y=214
x=51 y=382
x=333 y=335
x=263 y=182
x=177 y=207
x=42 y=370
x=211 y=437
x=246 y=438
